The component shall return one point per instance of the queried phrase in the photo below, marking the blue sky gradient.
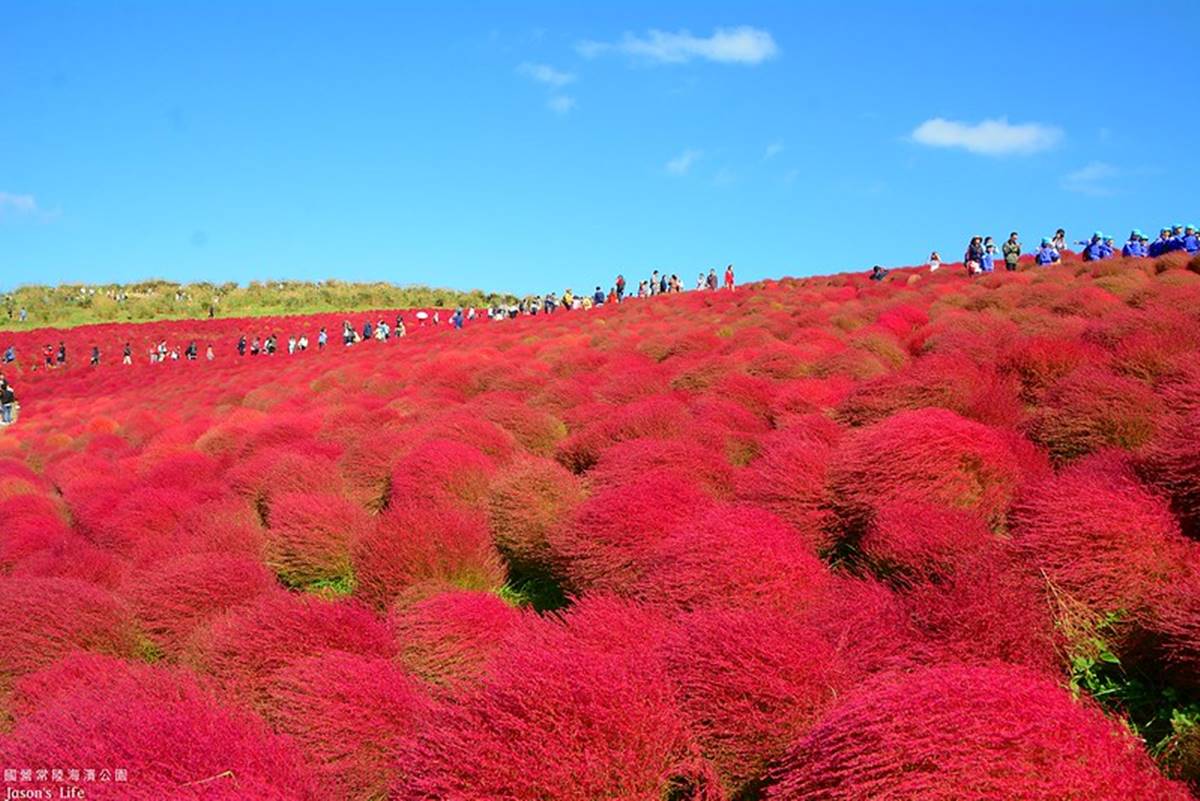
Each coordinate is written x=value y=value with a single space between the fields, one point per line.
x=532 y=146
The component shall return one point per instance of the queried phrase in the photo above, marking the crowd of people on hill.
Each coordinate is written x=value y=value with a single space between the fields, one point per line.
x=380 y=330
x=982 y=255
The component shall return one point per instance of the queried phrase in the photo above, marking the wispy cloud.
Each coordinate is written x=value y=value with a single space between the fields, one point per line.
x=17 y=205
x=1093 y=179
x=545 y=74
x=996 y=137
x=740 y=45
x=682 y=164
x=561 y=104
x=773 y=150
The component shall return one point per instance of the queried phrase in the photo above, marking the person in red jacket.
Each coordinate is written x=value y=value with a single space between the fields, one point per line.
x=729 y=277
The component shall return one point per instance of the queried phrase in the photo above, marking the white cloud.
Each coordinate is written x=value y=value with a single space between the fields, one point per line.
x=988 y=138
x=1093 y=179
x=681 y=164
x=544 y=73
x=561 y=104
x=741 y=45
x=17 y=204
x=773 y=150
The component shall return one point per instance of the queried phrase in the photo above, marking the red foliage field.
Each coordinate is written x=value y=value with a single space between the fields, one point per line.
x=818 y=538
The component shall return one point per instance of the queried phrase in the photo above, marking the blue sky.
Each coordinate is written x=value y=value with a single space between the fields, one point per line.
x=532 y=146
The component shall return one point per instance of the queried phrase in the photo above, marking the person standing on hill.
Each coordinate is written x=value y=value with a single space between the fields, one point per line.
x=1191 y=239
x=654 y=283
x=1047 y=253
x=127 y=353
x=62 y=353
x=10 y=355
x=95 y=360
x=1135 y=248
x=935 y=261
x=1094 y=249
x=1012 y=252
x=973 y=258
x=729 y=277
x=1059 y=242
x=8 y=401
x=620 y=287
x=208 y=353
x=1164 y=244
x=712 y=279
x=598 y=297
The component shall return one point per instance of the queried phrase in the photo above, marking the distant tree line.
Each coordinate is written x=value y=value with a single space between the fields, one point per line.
x=79 y=304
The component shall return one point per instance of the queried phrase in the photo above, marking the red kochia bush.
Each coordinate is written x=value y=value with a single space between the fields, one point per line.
x=310 y=537
x=171 y=599
x=607 y=543
x=987 y=607
x=578 y=710
x=408 y=545
x=1091 y=409
x=733 y=556
x=788 y=478
x=349 y=714
x=750 y=683
x=660 y=417
x=528 y=499
x=442 y=471
x=447 y=639
x=45 y=618
x=909 y=540
x=628 y=460
x=1171 y=464
x=172 y=737
x=242 y=648
x=1176 y=624
x=957 y=733
x=1100 y=536
x=930 y=455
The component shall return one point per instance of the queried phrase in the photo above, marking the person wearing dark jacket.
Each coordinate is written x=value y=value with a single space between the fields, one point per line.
x=598 y=297
x=8 y=400
x=878 y=273
x=973 y=258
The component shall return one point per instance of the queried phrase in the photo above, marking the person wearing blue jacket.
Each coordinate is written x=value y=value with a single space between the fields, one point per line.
x=1110 y=247
x=1135 y=248
x=1046 y=254
x=1094 y=250
x=1191 y=239
x=1164 y=244
x=598 y=296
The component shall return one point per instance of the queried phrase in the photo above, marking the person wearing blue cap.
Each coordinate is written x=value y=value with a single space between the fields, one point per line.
x=1046 y=254
x=1110 y=247
x=1135 y=248
x=1094 y=250
x=1191 y=239
x=1164 y=244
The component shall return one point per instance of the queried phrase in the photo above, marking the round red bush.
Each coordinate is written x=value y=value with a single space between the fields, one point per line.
x=173 y=738
x=447 y=639
x=732 y=556
x=528 y=499
x=415 y=544
x=309 y=537
x=1091 y=409
x=750 y=683
x=928 y=455
x=349 y=714
x=957 y=733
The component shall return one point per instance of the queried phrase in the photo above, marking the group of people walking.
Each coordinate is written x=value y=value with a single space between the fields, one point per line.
x=657 y=284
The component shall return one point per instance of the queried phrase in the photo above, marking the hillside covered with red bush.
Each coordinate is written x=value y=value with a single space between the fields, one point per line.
x=828 y=538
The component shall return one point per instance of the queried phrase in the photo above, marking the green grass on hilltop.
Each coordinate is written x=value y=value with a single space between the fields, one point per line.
x=80 y=304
